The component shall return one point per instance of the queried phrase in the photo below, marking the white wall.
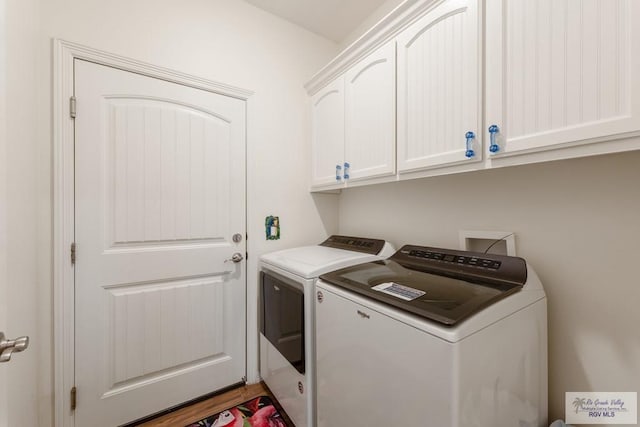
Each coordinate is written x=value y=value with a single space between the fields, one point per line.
x=223 y=40
x=576 y=222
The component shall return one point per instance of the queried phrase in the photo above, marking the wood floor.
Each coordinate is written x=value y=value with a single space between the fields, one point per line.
x=213 y=405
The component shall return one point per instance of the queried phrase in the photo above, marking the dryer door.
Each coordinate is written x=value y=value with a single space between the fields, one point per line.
x=283 y=318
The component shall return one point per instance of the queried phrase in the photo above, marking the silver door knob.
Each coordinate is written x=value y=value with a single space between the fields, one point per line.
x=8 y=347
x=237 y=257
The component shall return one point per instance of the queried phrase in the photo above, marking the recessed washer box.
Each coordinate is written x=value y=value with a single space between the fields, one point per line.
x=495 y=242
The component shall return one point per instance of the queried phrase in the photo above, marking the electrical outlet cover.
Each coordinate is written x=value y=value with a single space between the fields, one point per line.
x=272 y=227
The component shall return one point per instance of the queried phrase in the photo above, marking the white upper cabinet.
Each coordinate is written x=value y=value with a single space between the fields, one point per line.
x=561 y=73
x=328 y=134
x=439 y=98
x=354 y=122
x=480 y=84
x=370 y=116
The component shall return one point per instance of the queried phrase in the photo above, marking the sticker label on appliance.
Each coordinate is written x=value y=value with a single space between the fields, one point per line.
x=404 y=292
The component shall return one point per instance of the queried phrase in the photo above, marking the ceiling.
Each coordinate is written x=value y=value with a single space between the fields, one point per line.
x=333 y=19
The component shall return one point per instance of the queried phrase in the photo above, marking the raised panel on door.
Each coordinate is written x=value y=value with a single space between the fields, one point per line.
x=370 y=115
x=159 y=193
x=560 y=72
x=439 y=88
x=327 y=152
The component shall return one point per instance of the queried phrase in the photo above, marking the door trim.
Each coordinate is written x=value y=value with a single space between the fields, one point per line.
x=64 y=54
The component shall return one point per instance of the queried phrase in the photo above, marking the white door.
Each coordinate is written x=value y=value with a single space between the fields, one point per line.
x=561 y=72
x=370 y=115
x=3 y=202
x=4 y=384
x=327 y=108
x=160 y=191
x=439 y=88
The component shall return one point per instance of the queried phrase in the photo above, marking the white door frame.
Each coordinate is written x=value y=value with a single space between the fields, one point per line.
x=64 y=54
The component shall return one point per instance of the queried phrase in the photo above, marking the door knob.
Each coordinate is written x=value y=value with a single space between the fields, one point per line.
x=237 y=257
x=8 y=347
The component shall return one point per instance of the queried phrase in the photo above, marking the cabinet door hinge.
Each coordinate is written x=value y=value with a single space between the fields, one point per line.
x=74 y=397
x=72 y=107
x=73 y=253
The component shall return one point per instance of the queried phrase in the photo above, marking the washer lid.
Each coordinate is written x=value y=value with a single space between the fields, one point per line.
x=443 y=285
x=312 y=261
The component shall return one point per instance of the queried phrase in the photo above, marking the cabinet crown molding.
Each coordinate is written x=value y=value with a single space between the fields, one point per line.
x=387 y=28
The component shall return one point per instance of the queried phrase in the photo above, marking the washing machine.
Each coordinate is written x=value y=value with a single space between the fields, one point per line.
x=287 y=338
x=432 y=337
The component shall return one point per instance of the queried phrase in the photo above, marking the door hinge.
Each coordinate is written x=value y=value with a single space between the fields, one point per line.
x=72 y=107
x=73 y=253
x=74 y=397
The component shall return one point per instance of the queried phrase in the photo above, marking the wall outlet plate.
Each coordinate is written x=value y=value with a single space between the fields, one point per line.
x=497 y=242
x=272 y=227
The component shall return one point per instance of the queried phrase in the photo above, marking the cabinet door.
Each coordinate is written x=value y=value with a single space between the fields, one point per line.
x=370 y=120
x=560 y=72
x=328 y=134
x=439 y=87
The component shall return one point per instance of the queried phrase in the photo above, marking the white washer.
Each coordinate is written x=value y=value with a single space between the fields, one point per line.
x=432 y=337
x=287 y=338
